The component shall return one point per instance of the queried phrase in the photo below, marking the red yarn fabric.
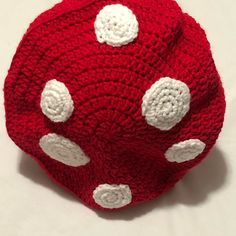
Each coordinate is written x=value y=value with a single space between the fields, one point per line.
x=107 y=85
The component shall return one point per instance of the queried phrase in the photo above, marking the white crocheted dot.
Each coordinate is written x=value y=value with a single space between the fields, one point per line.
x=166 y=103
x=116 y=25
x=63 y=150
x=112 y=196
x=56 y=102
x=185 y=151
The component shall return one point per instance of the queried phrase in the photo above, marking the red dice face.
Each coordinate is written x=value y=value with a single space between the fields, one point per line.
x=116 y=100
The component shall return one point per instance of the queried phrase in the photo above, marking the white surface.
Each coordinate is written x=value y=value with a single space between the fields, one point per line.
x=116 y=25
x=63 y=150
x=185 y=151
x=166 y=103
x=202 y=204
x=112 y=196
x=56 y=102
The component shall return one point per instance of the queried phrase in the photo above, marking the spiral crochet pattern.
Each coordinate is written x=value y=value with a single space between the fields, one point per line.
x=112 y=196
x=63 y=150
x=116 y=100
x=56 y=102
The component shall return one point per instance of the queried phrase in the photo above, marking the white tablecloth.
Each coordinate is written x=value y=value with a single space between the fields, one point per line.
x=202 y=204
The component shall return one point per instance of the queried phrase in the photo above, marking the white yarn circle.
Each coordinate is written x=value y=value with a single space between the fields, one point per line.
x=116 y=25
x=56 y=102
x=185 y=151
x=166 y=103
x=112 y=196
x=63 y=150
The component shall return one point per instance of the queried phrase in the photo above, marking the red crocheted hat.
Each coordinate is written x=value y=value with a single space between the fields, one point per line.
x=116 y=100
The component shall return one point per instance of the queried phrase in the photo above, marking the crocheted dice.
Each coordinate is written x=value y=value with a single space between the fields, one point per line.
x=116 y=100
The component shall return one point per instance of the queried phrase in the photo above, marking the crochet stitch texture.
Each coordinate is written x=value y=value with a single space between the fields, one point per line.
x=115 y=99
